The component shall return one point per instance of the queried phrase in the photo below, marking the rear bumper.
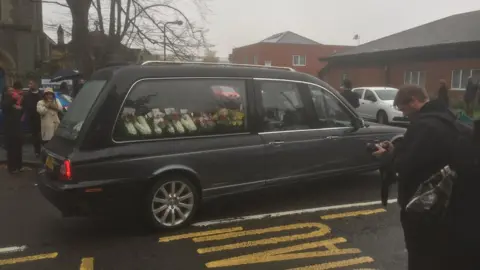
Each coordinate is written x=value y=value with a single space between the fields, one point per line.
x=75 y=200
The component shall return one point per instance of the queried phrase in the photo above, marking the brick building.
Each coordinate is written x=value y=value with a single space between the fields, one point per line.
x=446 y=49
x=286 y=49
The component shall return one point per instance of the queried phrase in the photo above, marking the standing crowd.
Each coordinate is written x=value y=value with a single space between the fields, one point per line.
x=40 y=110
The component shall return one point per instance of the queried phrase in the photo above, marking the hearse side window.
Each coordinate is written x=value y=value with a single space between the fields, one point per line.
x=163 y=108
x=330 y=110
x=282 y=106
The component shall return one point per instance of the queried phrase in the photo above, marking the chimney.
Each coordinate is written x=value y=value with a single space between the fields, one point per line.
x=60 y=36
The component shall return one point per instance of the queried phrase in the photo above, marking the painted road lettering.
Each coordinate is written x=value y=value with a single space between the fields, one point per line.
x=354 y=214
x=87 y=264
x=293 y=252
x=198 y=234
x=338 y=264
x=320 y=230
x=287 y=253
x=28 y=258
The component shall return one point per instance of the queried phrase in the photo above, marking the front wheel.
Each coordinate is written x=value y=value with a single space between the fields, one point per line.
x=382 y=118
x=171 y=203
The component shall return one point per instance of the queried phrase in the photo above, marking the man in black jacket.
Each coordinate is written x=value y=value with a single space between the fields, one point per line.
x=12 y=110
x=350 y=96
x=30 y=108
x=423 y=152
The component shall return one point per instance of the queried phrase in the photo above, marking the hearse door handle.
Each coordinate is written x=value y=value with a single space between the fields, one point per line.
x=332 y=137
x=276 y=143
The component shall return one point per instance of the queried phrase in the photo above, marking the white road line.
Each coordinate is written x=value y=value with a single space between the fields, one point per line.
x=6 y=250
x=289 y=213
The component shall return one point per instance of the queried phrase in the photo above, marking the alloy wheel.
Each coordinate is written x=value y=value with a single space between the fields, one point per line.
x=173 y=203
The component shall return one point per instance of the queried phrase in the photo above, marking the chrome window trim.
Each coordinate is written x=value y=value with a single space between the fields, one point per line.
x=302 y=130
x=174 y=138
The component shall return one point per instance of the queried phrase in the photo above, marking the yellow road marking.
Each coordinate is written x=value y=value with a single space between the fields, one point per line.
x=337 y=264
x=87 y=264
x=354 y=214
x=321 y=231
x=28 y=258
x=286 y=253
x=198 y=234
x=260 y=231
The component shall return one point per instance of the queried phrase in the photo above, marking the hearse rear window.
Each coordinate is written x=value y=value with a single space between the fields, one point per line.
x=163 y=108
x=78 y=111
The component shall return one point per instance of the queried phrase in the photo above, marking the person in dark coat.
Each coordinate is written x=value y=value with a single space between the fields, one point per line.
x=30 y=101
x=350 y=96
x=469 y=97
x=77 y=86
x=423 y=152
x=64 y=88
x=12 y=110
x=443 y=93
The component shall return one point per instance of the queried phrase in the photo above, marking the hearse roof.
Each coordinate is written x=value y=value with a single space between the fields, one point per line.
x=201 y=70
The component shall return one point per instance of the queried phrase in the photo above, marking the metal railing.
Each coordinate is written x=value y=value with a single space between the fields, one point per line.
x=213 y=64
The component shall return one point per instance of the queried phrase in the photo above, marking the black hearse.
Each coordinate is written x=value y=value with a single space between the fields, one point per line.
x=158 y=138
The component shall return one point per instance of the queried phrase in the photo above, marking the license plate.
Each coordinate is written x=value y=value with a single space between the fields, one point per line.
x=49 y=163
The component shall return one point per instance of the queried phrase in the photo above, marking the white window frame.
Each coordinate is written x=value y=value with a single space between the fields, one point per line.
x=461 y=77
x=410 y=72
x=255 y=60
x=268 y=63
x=299 y=62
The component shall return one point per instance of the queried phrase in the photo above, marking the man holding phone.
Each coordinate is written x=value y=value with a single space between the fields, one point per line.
x=422 y=153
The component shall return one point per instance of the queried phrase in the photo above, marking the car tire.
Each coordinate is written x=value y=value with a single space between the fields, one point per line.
x=382 y=118
x=171 y=202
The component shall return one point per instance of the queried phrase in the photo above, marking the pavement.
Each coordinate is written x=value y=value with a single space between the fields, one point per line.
x=333 y=224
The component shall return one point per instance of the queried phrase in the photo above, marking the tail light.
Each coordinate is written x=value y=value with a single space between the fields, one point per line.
x=66 y=170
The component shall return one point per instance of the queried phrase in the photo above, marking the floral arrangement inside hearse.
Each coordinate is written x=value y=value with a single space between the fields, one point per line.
x=173 y=122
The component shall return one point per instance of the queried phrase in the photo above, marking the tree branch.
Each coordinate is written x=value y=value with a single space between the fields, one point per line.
x=98 y=8
x=119 y=18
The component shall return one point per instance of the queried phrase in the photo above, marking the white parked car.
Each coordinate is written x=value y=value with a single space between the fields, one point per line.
x=376 y=103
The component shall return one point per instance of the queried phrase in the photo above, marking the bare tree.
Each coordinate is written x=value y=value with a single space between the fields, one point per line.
x=143 y=24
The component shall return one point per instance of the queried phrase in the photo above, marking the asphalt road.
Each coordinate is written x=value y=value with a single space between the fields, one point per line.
x=326 y=229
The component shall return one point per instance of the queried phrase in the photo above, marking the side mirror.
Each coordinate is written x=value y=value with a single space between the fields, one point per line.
x=358 y=123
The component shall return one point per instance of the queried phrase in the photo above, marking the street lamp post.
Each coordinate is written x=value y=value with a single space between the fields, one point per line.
x=179 y=23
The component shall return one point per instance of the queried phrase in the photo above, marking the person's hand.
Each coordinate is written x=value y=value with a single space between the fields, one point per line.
x=387 y=145
x=383 y=148
x=18 y=107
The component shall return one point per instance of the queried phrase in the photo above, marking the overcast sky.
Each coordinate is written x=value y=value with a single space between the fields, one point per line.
x=235 y=23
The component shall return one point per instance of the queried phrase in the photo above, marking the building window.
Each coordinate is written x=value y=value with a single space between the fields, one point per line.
x=268 y=63
x=415 y=77
x=255 y=60
x=299 y=60
x=460 y=77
